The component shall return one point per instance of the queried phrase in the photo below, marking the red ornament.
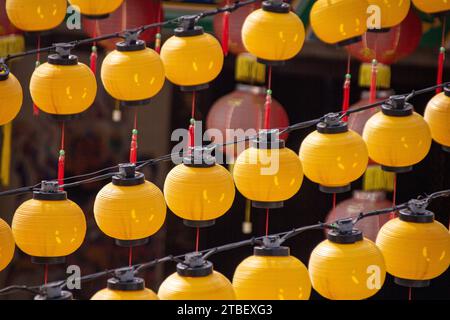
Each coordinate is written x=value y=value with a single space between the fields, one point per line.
x=391 y=46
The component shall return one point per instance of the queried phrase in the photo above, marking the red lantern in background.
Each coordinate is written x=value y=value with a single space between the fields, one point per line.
x=391 y=46
x=363 y=201
x=132 y=14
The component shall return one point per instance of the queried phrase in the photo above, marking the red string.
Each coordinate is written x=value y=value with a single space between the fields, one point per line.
x=441 y=58
x=134 y=141
x=268 y=103
x=347 y=83
x=197 y=239
x=38 y=61
x=267 y=222
x=410 y=294
x=45 y=273
x=61 y=158
x=158 y=32
x=334 y=200
x=192 y=123
x=394 y=196
x=130 y=256
x=225 y=31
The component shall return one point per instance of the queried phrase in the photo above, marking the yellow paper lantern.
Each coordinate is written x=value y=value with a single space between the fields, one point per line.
x=333 y=156
x=277 y=25
x=96 y=8
x=11 y=97
x=130 y=209
x=432 y=6
x=347 y=267
x=192 y=58
x=416 y=248
x=132 y=73
x=63 y=86
x=49 y=226
x=199 y=192
x=36 y=15
x=199 y=282
x=133 y=289
x=392 y=12
x=339 y=21
x=268 y=173
x=7 y=245
x=397 y=138
x=437 y=115
x=271 y=274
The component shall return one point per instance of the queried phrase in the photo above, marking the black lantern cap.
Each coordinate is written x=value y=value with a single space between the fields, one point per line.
x=276 y=6
x=128 y=176
x=345 y=233
x=62 y=57
x=397 y=106
x=199 y=157
x=4 y=71
x=131 y=43
x=49 y=191
x=124 y=280
x=268 y=139
x=194 y=265
x=417 y=212
x=53 y=293
x=331 y=124
x=447 y=90
x=187 y=27
x=271 y=247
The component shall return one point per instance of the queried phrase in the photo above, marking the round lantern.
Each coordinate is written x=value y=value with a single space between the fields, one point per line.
x=242 y=111
x=36 y=15
x=271 y=274
x=333 y=156
x=7 y=245
x=129 y=209
x=276 y=25
x=392 y=12
x=432 y=6
x=192 y=58
x=132 y=73
x=347 y=266
x=199 y=191
x=133 y=289
x=96 y=8
x=268 y=173
x=63 y=86
x=340 y=21
x=196 y=281
x=11 y=97
x=397 y=138
x=49 y=226
x=416 y=248
x=437 y=115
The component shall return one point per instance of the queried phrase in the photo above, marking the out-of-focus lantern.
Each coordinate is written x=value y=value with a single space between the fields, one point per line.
x=437 y=115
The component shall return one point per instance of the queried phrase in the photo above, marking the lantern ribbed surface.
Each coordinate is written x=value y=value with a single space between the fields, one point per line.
x=63 y=90
x=347 y=271
x=199 y=194
x=132 y=75
x=392 y=12
x=192 y=61
x=271 y=278
x=130 y=212
x=96 y=7
x=7 y=245
x=433 y=6
x=339 y=20
x=437 y=115
x=11 y=97
x=397 y=141
x=284 y=31
x=333 y=160
x=36 y=15
x=212 y=287
x=415 y=251
x=45 y=228
x=108 y=294
x=268 y=175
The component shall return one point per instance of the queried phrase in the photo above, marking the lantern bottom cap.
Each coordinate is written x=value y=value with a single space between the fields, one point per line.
x=349 y=41
x=267 y=205
x=379 y=30
x=340 y=189
x=197 y=87
x=131 y=243
x=397 y=169
x=65 y=295
x=48 y=260
x=135 y=103
x=61 y=117
x=446 y=148
x=96 y=16
x=273 y=63
x=411 y=283
x=199 y=223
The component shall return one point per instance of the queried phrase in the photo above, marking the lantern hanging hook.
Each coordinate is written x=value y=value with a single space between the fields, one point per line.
x=63 y=49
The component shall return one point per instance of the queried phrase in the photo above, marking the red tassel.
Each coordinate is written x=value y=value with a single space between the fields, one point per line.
x=61 y=161
x=158 y=43
x=440 y=68
x=133 y=147
x=267 y=111
x=35 y=110
x=373 y=82
x=225 y=32
x=346 y=100
x=93 y=61
x=191 y=136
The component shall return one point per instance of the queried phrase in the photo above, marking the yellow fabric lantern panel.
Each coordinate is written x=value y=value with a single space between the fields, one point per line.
x=415 y=251
x=191 y=61
x=132 y=75
x=130 y=212
x=11 y=97
x=7 y=245
x=432 y=6
x=211 y=287
x=271 y=278
x=108 y=294
x=199 y=193
x=268 y=175
x=334 y=160
x=44 y=228
x=392 y=12
x=283 y=31
x=437 y=115
x=96 y=7
x=36 y=15
x=347 y=271
x=339 y=21
x=63 y=89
